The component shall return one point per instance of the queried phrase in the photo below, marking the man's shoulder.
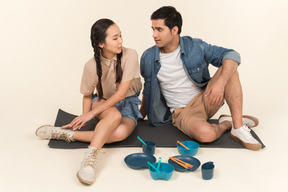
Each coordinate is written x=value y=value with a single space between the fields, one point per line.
x=189 y=39
x=190 y=44
x=148 y=53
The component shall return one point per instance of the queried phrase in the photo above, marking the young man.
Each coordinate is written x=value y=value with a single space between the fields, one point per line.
x=178 y=86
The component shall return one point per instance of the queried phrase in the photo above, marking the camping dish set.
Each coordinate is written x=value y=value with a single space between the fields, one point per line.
x=163 y=171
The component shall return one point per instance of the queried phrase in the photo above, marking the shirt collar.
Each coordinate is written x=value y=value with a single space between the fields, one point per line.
x=108 y=62
x=157 y=55
x=182 y=46
x=157 y=58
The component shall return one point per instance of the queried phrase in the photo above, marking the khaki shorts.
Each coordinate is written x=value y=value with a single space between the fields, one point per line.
x=197 y=109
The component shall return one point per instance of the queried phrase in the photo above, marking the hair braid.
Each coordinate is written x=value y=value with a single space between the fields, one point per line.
x=119 y=71
x=99 y=72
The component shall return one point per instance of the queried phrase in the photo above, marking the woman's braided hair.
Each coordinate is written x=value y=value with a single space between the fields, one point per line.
x=98 y=35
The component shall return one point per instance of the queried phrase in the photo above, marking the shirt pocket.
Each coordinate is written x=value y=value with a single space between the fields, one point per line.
x=200 y=73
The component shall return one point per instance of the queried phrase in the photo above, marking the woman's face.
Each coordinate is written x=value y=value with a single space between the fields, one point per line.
x=113 y=42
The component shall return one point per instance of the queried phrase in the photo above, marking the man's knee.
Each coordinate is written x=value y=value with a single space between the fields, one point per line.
x=205 y=134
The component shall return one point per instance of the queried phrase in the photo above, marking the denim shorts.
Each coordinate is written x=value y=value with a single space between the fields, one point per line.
x=127 y=107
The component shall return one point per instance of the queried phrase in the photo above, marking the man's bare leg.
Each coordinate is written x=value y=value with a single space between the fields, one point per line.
x=205 y=132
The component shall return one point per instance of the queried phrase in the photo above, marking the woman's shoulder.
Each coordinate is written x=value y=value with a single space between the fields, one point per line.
x=90 y=62
x=129 y=52
x=90 y=65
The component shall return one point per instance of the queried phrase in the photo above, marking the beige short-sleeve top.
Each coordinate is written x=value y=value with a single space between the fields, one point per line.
x=130 y=68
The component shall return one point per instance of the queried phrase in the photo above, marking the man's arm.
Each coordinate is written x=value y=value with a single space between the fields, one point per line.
x=217 y=55
x=143 y=108
x=142 y=72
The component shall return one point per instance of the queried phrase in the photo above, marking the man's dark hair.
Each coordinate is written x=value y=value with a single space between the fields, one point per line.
x=171 y=16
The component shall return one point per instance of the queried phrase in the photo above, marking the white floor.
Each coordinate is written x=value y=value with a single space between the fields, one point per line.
x=28 y=164
x=41 y=40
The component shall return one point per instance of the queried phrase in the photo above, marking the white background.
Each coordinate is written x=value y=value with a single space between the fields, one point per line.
x=44 y=45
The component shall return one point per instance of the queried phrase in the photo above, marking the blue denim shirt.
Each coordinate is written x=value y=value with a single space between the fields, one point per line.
x=196 y=56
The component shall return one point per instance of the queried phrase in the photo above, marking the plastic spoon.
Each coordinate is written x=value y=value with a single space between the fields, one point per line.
x=141 y=140
x=183 y=145
x=153 y=167
x=159 y=162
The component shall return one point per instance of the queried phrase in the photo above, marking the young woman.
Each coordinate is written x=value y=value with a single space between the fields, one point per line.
x=114 y=72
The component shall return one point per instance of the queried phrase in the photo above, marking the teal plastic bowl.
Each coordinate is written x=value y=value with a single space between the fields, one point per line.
x=165 y=171
x=193 y=148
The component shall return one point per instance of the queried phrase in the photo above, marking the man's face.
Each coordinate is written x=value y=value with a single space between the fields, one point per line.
x=162 y=35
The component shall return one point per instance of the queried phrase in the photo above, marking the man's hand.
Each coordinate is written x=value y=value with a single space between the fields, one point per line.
x=143 y=109
x=79 y=122
x=215 y=93
x=143 y=113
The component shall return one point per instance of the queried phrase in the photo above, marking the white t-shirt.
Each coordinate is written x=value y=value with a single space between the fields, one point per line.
x=176 y=86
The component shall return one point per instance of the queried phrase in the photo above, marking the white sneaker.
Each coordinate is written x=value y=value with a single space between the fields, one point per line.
x=250 y=121
x=87 y=172
x=51 y=132
x=243 y=135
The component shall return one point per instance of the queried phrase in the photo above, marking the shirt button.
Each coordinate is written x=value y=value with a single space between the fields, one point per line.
x=198 y=69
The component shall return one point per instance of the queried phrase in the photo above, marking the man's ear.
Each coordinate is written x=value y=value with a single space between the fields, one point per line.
x=175 y=30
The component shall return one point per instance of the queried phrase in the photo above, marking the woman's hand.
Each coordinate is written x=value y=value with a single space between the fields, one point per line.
x=79 y=122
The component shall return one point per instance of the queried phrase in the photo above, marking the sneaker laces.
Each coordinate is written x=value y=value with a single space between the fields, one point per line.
x=245 y=131
x=61 y=135
x=93 y=158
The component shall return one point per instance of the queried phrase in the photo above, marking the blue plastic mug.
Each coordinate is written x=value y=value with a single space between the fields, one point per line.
x=149 y=148
x=207 y=170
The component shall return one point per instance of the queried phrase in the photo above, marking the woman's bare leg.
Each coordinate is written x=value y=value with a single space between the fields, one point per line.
x=124 y=129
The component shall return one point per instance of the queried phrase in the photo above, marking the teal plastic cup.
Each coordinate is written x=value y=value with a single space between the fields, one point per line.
x=149 y=148
x=207 y=170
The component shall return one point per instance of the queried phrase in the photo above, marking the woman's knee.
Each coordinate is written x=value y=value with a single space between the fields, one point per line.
x=113 y=114
x=121 y=133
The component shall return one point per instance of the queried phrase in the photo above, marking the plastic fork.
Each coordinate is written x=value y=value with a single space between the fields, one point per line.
x=180 y=162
